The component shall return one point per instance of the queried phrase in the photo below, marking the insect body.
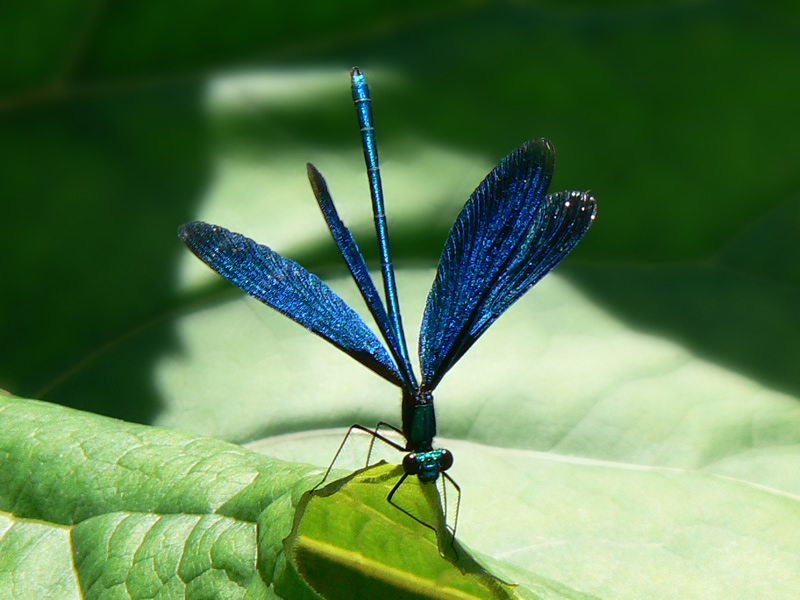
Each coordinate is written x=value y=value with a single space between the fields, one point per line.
x=509 y=234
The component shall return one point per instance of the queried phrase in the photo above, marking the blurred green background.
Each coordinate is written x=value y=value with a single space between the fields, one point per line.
x=119 y=121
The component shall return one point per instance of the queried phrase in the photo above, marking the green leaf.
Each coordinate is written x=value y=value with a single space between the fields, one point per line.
x=98 y=508
x=670 y=348
x=394 y=556
x=605 y=459
x=92 y=507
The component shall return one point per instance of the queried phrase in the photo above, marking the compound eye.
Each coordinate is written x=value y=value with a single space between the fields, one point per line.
x=445 y=460
x=411 y=464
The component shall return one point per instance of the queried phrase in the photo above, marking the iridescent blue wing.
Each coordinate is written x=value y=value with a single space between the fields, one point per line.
x=288 y=288
x=358 y=269
x=506 y=238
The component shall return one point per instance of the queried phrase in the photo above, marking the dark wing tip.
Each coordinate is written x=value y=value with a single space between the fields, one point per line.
x=192 y=228
x=355 y=72
x=186 y=230
x=588 y=203
x=543 y=144
x=313 y=173
x=544 y=152
x=317 y=181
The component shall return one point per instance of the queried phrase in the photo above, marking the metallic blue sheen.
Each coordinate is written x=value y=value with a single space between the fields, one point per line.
x=419 y=420
x=363 y=104
x=287 y=287
x=428 y=465
x=508 y=236
x=358 y=269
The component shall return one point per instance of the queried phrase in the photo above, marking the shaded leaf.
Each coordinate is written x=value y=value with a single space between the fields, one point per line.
x=91 y=507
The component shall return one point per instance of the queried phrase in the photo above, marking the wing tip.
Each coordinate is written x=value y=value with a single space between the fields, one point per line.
x=584 y=202
x=588 y=203
x=541 y=147
x=186 y=230
x=534 y=156
x=192 y=228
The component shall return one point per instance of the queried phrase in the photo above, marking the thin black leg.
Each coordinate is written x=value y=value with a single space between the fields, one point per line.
x=376 y=434
x=428 y=525
x=373 y=434
x=403 y=510
x=389 y=426
x=447 y=477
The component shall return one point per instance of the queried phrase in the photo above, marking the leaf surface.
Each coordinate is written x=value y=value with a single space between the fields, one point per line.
x=92 y=507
